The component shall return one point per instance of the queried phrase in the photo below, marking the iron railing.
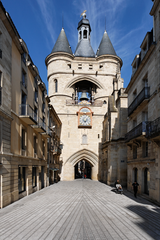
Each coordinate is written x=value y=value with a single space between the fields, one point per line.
x=144 y=94
x=49 y=131
x=59 y=151
x=27 y=110
x=42 y=124
x=24 y=84
x=153 y=128
x=139 y=130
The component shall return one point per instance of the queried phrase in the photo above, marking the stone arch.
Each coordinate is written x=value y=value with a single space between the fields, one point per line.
x=87 y=78
x=83 y=154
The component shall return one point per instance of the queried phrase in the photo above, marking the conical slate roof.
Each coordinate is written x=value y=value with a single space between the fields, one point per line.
x=84 y=49
x=105 y=47
x=62 y=44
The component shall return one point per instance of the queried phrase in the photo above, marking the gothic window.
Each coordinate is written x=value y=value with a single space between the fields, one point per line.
x=56 y=85
x=104 y=102
x=84 y=139
x=85 y=34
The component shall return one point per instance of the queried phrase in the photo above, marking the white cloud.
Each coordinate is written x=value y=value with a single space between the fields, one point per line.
x=48 y=13
x=97 y=11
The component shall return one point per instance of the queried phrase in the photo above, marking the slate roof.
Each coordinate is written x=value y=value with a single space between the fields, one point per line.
x=105 y=47
x=84 y=21
x=62 y=44
x=84 y=49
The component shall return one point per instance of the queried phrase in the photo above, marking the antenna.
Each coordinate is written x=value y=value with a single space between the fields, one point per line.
x=105 y=23
x=62 y=21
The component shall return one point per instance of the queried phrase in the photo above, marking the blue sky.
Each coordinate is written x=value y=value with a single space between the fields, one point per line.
x=39 y=23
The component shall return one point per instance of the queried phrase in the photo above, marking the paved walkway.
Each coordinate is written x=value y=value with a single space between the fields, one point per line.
x=80 y=210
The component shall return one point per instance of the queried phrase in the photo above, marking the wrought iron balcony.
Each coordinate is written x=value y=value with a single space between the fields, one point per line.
x=40 y=126
x=47 y=133
x=27 y=114
x=59 y=151
x=54 y=149
x=144 y=94
x=139 y=130
x=153 y=128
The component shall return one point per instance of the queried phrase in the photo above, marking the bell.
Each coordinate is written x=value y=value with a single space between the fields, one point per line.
x=84 y=96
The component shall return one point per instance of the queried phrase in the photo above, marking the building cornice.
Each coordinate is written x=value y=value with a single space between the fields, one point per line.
x=57 y=55
x=144 y=61
x=155 y=5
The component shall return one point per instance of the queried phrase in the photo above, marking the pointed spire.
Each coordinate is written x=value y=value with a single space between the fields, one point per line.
x=62 y=44
x=84 y=48
x=105 y=47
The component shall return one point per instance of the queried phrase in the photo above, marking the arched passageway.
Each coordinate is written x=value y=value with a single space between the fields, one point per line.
x=72 y=165
x=83 y=169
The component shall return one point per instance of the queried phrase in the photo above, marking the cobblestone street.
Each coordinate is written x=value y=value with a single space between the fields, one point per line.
x=81 y=209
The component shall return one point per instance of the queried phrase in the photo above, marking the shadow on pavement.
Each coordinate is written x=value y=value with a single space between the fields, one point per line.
x=151 y=219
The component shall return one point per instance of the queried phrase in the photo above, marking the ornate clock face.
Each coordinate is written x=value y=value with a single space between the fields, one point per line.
x=85 y=120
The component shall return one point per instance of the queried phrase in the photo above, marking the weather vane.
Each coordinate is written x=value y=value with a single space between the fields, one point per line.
x=84 y=14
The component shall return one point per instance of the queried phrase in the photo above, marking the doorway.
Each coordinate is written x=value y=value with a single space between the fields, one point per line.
x=146 y=181
x=83 y=169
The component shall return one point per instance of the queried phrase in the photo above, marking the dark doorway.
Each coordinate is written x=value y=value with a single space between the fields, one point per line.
x=146 y=181
x=41 y=177
x=83 y=169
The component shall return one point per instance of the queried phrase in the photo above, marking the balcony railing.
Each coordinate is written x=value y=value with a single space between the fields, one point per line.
x=54 y=149
x=27 y=114
x=139 y=130
x=27 y=110
x=153 y=128
x=59 y=151
x=144 y=94
x=42 y=124
x=24 y=84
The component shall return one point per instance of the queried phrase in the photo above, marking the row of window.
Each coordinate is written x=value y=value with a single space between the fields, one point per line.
x=144 y=150
x=35 y=143
x=80 y=66
x=22 y=178
x=145 y=177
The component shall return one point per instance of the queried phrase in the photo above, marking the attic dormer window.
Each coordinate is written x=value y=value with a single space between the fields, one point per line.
x=85 y=34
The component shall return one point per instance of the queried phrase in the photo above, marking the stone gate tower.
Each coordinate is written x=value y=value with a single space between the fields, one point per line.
x=79 y=88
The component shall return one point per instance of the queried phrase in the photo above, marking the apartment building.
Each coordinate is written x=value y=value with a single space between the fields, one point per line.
x=55 y=147
x=143 y=134
x=113 y=157
x=24 y=119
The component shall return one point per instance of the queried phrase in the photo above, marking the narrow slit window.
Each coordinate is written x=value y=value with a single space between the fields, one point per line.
x=56 y=85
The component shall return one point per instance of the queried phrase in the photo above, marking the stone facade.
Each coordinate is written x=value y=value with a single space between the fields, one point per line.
x=113 y=162
x=143 y=131
x=68 y=76
x=24 y=118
